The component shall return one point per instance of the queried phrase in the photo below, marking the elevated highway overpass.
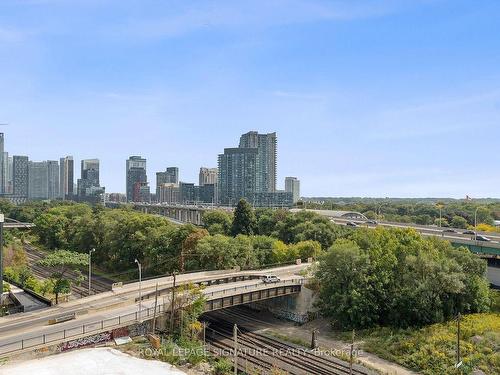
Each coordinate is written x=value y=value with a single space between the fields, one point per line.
x=484 y=249
x=177 y=213
x=122 y=307
x=181 y=214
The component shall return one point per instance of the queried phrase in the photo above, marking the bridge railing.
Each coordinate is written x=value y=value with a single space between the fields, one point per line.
x=80 y=330
x=255 y=287
x=103 y=325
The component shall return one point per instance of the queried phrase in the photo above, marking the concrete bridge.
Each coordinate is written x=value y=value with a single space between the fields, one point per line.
x=181 y=214
x=122 y=307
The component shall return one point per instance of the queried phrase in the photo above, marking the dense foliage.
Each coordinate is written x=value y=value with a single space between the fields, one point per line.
x=61 y=262
x=366 y=277
x=121 y=235
x=398 y=278
x=431 y=350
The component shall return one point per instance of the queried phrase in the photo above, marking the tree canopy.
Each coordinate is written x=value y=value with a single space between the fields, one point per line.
x=396 y=277
x=62 y=261
x=244 y=219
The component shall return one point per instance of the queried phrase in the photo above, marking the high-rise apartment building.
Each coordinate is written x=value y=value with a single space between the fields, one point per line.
x=141 y=192
x=136 y=173
x=292 y=185
x=266 y=144
x=2 y=164
x=170 y=176
x=20 y=176
x=66 y=177
x=249 y=172
x=237 y=174
x=208 y=176
x=90 y=171
x=10 y=181
x=6 y=189
x=187 y=194
x=169 y=193
x=38 y=186
x=53 y=179
x=88 y=186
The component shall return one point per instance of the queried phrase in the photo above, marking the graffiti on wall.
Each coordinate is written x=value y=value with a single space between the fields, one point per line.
x=86 y=341
x=120 y=332
x=290 y=315
x=139 y=329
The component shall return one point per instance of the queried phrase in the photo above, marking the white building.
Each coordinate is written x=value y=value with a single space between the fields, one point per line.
x=292 y=185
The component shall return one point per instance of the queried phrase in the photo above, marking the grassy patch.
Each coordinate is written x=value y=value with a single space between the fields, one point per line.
x=291 y=340
x=432 y=349
x=495 y=301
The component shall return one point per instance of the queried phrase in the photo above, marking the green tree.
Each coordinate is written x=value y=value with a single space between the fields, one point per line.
x=263 y=248
x=459 y=222
x=345 y=293
x=396 y=277
x=444 y=222
x=216 y=252
x=307 y=249
x=244 y=252
x=282 y=252
x=244 y=219
x=484 y=216
x=63 y=261
x=217 y=222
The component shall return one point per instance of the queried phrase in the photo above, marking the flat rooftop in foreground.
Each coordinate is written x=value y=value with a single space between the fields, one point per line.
x=98 y=361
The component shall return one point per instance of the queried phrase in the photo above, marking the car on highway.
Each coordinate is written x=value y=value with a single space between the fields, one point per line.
x=374 y=222
x=482 y=238
x=270 y=279
x=351 y=224
x=471 y=232
x=449 y=230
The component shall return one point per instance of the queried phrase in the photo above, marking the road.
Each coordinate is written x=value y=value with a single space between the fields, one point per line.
x=109 y=306
x=431 y=230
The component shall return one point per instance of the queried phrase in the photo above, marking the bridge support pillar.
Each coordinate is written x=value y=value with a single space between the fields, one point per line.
x=298 y=308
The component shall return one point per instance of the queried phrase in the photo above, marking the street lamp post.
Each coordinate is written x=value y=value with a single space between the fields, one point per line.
x=140 y=287
x=90 y=270
x=475 y=224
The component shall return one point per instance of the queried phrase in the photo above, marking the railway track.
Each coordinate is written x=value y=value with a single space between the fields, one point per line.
x=99 y=284
x=256 y=351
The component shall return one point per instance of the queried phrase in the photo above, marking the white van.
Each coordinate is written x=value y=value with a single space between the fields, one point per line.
x=268 y=279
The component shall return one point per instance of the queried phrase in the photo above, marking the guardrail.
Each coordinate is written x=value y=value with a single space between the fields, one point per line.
x=262 y=285
x=81 y=330
x=119 y=321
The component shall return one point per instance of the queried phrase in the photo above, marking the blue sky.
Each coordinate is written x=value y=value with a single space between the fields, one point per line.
x=369 y=98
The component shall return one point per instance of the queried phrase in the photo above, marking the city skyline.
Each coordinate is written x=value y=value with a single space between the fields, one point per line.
x=365 y=102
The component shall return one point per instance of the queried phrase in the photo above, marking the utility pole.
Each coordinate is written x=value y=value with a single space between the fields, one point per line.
x=154 y=314
x=181 y=259
x=475 y=224
x=351 y=354
x=172 y=308
x=140 y=288
x=314 y=344
x=235 y=339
